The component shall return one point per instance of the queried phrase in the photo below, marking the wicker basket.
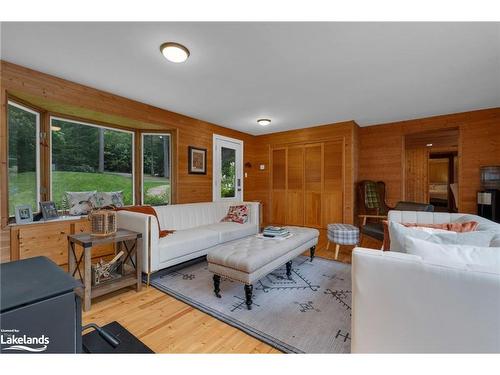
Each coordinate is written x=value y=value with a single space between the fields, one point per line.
x=102 y=223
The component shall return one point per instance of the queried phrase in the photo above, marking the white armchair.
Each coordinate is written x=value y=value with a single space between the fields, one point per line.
x=403 y=305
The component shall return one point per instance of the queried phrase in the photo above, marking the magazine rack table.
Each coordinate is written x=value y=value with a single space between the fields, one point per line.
x=123 y=240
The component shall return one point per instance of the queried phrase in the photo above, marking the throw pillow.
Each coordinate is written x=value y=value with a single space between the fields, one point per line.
x=452 y=254
x=468 y=226
x=237 y=214
x=398 y=233
x=81 y=202
x=422 y=227
x=110 y=198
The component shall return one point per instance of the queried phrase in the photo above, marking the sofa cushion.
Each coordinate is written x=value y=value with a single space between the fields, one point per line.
x=81 y=202
x=229 y=231
x=442 y=254
x=186 y=241
x=110 y=198
x=399 y=232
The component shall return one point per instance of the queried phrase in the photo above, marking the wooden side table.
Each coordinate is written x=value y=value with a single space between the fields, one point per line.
x=123 y=240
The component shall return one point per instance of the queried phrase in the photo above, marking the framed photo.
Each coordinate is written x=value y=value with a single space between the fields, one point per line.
x=197 y=160
x=24 y=214
x=49 y=210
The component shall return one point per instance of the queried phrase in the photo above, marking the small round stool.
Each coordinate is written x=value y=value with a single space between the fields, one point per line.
x=342 y=234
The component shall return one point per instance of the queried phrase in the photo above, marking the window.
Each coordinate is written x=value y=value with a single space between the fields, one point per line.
x=88 y=157
x=228 y=171
x=156 y=186
x=23 y=156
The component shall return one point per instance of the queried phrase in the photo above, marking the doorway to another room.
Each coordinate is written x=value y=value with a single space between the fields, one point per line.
x=431 y=168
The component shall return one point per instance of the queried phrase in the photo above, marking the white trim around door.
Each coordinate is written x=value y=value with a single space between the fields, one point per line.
x=234 y=149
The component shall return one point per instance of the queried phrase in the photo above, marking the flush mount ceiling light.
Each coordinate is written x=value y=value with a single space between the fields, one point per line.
x=429 y=144
x=263 y=121
x=174 y=52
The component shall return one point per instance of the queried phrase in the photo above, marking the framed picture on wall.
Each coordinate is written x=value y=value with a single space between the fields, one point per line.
x=197 y=160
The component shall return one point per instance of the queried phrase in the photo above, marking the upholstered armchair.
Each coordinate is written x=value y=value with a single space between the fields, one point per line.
x=373 y=208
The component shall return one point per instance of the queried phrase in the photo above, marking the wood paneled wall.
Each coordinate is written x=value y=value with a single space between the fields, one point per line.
x=381 y=155
x=72 y=99
x=258 y=184
x=375 y=152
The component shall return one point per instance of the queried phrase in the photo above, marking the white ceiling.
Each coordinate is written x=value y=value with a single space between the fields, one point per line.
x=297 y=74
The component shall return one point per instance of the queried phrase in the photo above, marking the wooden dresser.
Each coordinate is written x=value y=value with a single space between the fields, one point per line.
x=50 y=239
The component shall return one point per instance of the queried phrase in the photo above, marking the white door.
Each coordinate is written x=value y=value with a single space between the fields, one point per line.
x=227 y=168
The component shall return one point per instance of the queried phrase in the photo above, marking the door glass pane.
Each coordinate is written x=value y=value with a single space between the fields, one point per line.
x=228 y=172
x=22 y=162
x=87 y=158
x=156 y=169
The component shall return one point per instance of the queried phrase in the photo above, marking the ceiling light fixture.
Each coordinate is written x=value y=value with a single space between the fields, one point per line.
x=174 y=52
x=429 y=144
x=263 y=121
x=55 y=128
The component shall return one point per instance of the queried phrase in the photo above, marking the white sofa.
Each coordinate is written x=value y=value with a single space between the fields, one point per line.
x=197 y=229
x=400 y=303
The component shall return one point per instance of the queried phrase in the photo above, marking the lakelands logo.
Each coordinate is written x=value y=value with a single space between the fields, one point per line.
x=24 y=343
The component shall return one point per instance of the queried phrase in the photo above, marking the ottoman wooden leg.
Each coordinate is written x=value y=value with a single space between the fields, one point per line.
x=289 y=270
x=312 y=250
x=328 y=245
x=248 y=296
x=337 y=248
x=217 y=286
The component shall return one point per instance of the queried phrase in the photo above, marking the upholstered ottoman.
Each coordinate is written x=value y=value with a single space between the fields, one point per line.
x=248 y=259
x=342 y=234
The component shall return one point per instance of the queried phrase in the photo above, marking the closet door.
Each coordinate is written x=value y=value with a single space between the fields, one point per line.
x=313 y=186
x=333 y=182
x=278 y=191
x=295 y=186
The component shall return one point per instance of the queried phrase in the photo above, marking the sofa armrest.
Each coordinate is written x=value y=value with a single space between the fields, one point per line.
x=148 y=227
x=254 y=217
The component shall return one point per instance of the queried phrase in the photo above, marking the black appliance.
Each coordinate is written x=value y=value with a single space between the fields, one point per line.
x=39 y=310
x=488 y=204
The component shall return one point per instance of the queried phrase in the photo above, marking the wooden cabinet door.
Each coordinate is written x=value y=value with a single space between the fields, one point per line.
x=47 y=239
x=295 y=186
x=278 y=188
x=313 y=184
x=333 y=182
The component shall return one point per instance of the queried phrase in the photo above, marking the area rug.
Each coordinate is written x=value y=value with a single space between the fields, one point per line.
x=311 y=313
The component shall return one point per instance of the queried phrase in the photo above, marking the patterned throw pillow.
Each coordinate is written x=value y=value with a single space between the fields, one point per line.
x=110 y=198
x=237 y=214
x=469 y=226
x=81 y=202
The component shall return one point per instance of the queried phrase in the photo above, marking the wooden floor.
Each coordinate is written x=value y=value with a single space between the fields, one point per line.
x=167 y=325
